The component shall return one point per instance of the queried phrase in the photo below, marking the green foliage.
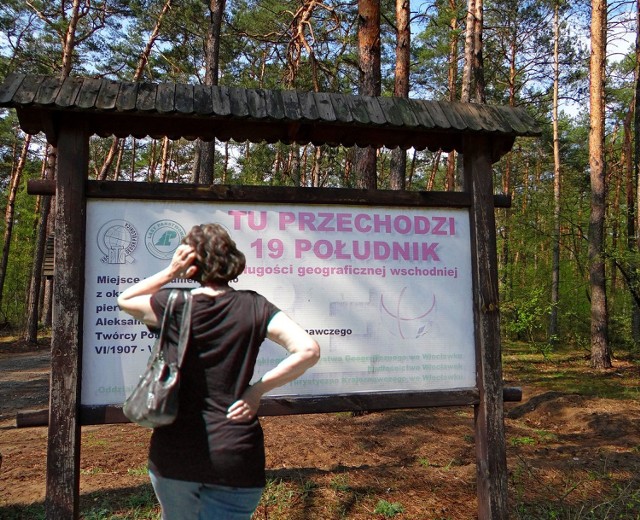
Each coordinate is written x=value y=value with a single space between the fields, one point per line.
x=431 y=47
x=524 y=318
x=388 y=509
x=277 y=44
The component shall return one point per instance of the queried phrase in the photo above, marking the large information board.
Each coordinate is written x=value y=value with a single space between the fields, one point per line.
x=387 y=292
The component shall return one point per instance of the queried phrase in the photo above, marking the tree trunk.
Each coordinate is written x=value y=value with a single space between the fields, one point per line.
x=398 y=168
x=46 y=314
x=108 y=160
x=134 y=147
x=225 y=163
x=506 y=181
x=69 y=42
x=294 y=168
x=600 y=350
x=164 y=166
x=16 y=177
x=434 y=171
x=144 y=55
x=634 y=216
x=207 y=155
x=629 y=193
x=31 y=329
x=370 y=81
x=212 y=59
x=303 y=166
x=277 y=165
x=478 y=60
x=467 y=70
x=118 y=169
x=195 y=168
x=153 y=161
x=33 y=315
x=452 y=79
x=315 y=169
x=555 y=269
x=614 y=211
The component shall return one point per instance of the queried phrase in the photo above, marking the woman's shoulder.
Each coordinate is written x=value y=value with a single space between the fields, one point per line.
x=162 y=296
x=249 y=295
x=229 y=295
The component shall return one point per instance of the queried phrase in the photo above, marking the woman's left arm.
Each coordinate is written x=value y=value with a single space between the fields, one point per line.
x=136 y=300
x=304 y=352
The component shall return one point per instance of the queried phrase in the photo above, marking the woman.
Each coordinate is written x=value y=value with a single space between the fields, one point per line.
x=210 y=463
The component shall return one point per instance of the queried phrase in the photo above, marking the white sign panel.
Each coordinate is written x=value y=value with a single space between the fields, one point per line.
x=387 y=292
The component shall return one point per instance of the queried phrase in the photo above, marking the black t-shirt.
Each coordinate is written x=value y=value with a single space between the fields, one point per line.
x=202 y=445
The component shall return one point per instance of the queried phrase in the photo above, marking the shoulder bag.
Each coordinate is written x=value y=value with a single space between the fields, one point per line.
x=154 y=401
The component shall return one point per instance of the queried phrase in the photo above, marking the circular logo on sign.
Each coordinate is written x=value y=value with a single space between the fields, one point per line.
x=410 y=314
x=116 y=240
x=163 y=238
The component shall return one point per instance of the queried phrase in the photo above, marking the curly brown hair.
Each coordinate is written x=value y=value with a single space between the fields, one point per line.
x=218 y=259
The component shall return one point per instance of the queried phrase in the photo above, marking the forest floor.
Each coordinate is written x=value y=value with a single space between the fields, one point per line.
x=573 y=451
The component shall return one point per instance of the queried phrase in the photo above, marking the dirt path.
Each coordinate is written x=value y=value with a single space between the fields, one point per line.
x=24 y=382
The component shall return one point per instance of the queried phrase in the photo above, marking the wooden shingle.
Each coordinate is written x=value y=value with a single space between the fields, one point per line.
x=210 y=112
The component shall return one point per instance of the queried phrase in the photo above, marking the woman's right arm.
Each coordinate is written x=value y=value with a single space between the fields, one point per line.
x=136 y=300
x=304 y=352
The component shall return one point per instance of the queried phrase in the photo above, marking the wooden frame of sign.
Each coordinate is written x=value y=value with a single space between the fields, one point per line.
x=68 y=112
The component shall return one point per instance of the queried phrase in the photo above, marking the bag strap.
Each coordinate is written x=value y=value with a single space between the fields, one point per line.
x=168 y=312
x=185 y=324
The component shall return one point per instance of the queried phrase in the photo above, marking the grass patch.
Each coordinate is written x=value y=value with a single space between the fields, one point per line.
x=90 y=440
x=91 y=471
x=388 y=509
x=17 y=512
x=566 y=370
x=341 y=498
x=340 y=483
x=424 y=462
x=522 y=441
x=137 y=503
x=571 y=496
x=280 y=496
x=138 y=472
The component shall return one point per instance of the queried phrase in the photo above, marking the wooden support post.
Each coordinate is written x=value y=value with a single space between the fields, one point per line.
x=489 y=422
x=63 y=452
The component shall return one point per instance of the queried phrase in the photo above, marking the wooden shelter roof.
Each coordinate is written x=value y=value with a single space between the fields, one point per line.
x=177 y=110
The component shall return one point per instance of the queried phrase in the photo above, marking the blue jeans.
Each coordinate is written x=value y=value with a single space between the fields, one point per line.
x=184 y=500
